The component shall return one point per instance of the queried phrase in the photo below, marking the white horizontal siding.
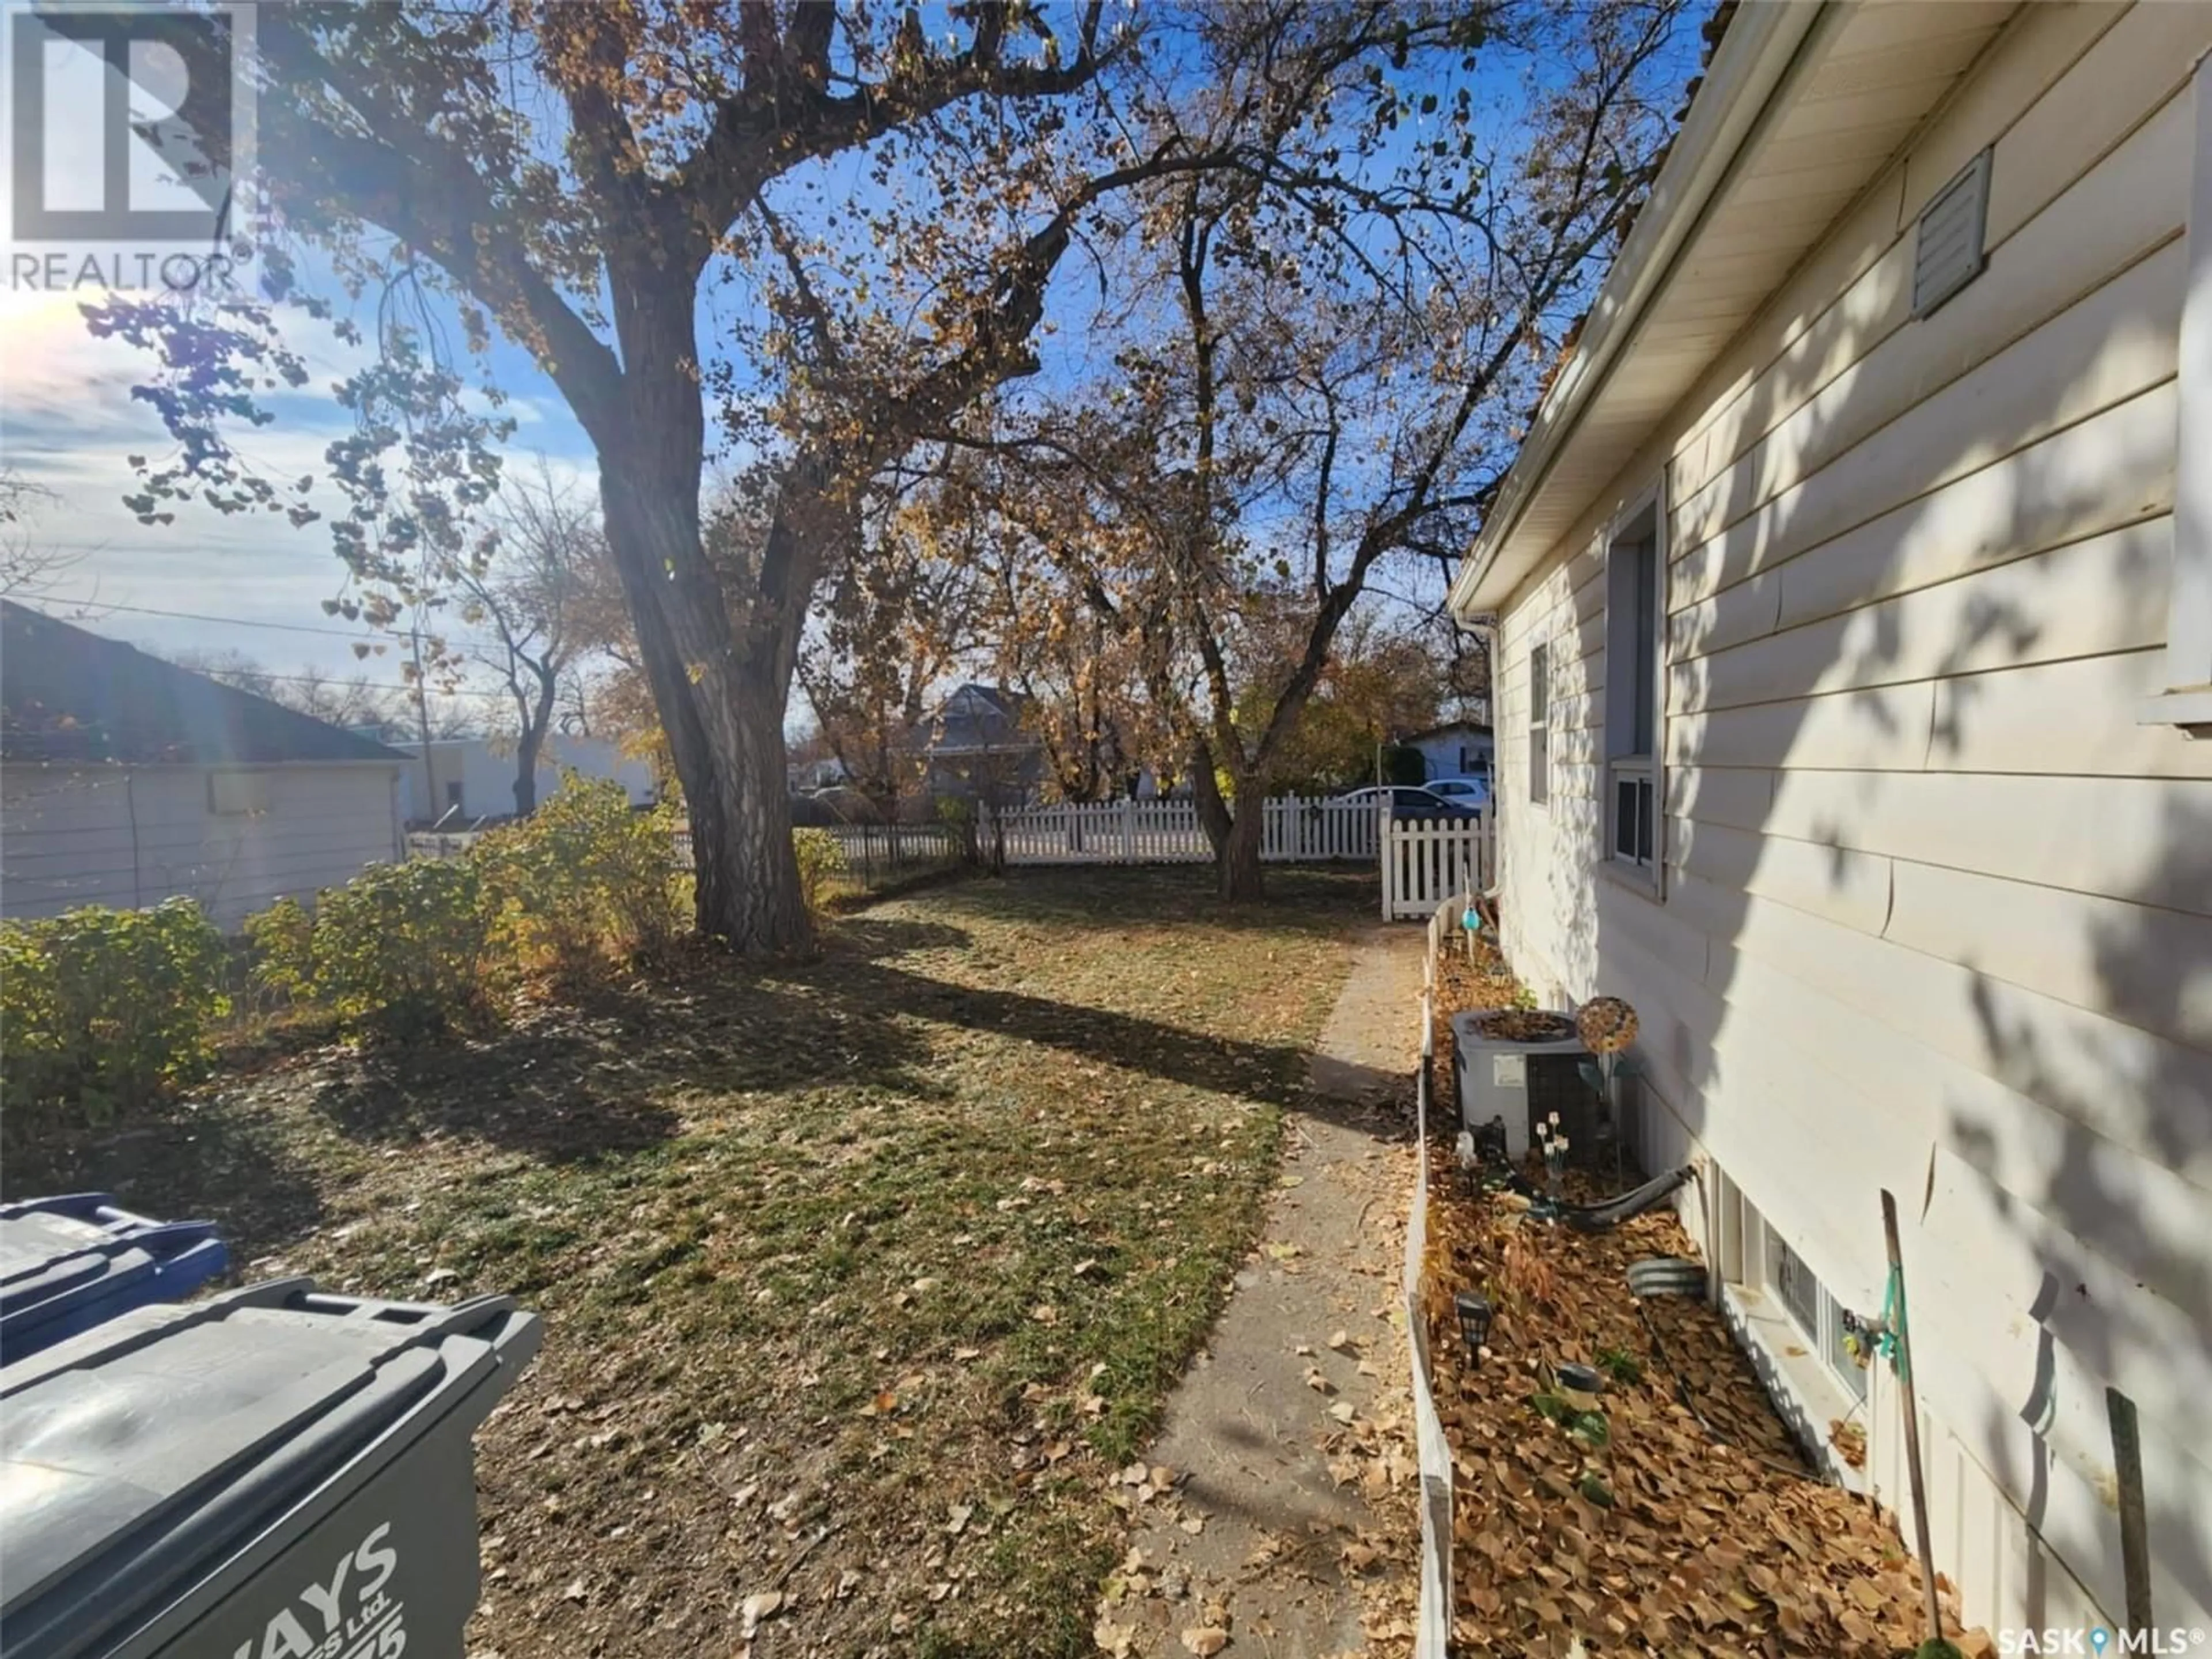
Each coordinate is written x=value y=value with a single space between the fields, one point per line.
x=2114 y=344
x=2122 y=210
x=2108 y=471
x=1937 y=912
x=131 y=836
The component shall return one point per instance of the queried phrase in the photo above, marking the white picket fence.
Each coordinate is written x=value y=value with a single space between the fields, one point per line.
x=1428 y=861
x=1296 y=829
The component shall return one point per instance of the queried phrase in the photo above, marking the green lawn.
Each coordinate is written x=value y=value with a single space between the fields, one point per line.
x=858 y=1277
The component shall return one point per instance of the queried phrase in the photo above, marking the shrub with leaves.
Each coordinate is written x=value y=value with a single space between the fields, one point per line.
x=584 y=879
x=959 y=815
x=820 y=862
x=400 y=948
x=104 y=1011
x=283 y=941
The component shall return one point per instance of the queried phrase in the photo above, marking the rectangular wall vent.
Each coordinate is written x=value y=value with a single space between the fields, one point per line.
x=1948 y=254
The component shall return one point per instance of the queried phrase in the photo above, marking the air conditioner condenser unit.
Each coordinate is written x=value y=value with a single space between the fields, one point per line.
x=1523 y=1064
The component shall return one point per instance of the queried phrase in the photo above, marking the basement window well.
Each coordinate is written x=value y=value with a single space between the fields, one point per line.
x=1817 y=1315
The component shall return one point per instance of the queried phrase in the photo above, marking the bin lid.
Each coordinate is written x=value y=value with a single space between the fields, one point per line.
x=59 y=1254
x=136 y=1456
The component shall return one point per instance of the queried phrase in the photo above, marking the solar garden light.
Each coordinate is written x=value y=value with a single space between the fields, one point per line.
x=1474 y=1314
x=1551 y=1140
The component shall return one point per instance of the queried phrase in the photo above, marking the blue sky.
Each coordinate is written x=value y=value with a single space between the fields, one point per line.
x=67 y=422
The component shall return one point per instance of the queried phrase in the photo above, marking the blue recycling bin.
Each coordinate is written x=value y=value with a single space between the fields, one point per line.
x=70 y=1263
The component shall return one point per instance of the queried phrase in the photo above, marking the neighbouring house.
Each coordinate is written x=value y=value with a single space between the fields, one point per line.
x=822 y=772
x=1853 y=621
x=468 y=779
x=974 y=745
x=125 y=780
x=1457 y=749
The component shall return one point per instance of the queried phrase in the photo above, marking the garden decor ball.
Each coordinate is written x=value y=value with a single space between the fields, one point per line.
x=1607 y=1024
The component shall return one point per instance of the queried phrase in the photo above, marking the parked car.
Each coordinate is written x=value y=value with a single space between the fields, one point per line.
x=1408 y=802
x=1473 y=793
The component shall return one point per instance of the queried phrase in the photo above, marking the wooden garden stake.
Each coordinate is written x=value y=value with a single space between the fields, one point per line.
x=1912 y=1420
x=2135 y=1528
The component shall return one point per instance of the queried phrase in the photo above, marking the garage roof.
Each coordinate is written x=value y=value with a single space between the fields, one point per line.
x=67 y=695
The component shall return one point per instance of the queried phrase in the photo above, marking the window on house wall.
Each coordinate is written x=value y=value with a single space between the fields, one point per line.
x=453 y=793
x=1817 y=1314
x=238 y=795
x=1633 y=616
x=2187 y=699
x=1540 y=723
x=1753 y=1253
x=1793 y=1281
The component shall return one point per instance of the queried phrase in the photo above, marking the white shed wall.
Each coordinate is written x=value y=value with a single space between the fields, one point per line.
x=132 y=836
x=484 y=767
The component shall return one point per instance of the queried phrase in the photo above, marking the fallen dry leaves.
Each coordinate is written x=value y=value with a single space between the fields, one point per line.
x=790 y=1231
x=1635 y=1534
x=1638 y=1534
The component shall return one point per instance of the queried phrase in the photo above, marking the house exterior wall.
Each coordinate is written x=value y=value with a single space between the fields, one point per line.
x=484 y=770
x=131 y=836
x=1454 y=754
x=1935 y=912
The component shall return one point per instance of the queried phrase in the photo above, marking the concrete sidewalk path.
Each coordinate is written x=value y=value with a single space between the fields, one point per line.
x=1274 y=1516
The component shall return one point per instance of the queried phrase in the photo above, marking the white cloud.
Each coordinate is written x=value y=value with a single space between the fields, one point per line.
x=69 y=424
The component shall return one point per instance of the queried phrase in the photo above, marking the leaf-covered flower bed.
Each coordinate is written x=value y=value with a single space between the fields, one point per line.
x=1614 y=1523
x=1619 y=1520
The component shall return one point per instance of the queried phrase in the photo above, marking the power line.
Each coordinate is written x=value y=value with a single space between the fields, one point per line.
x=334 y=683
x=296 y=628
x=94 y=603
x=45 y=544
x=328 y=681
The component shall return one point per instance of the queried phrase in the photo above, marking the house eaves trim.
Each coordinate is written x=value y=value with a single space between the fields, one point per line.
x=1766 y=40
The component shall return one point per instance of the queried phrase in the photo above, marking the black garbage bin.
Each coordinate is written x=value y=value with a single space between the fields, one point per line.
x=67 y=1263
x=271 y=1472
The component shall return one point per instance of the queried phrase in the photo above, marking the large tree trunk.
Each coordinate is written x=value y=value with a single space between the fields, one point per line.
x=525 y=771
x=1235 y=834
x=1238 y=872
x=1205 y=794
x=721 y=708
x=536 y=721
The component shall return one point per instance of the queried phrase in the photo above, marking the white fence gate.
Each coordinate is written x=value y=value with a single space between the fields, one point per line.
x=1427 y=862
x=1294 y=830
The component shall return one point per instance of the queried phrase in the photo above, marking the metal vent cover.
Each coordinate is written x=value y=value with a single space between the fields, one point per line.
x=1946 y=253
